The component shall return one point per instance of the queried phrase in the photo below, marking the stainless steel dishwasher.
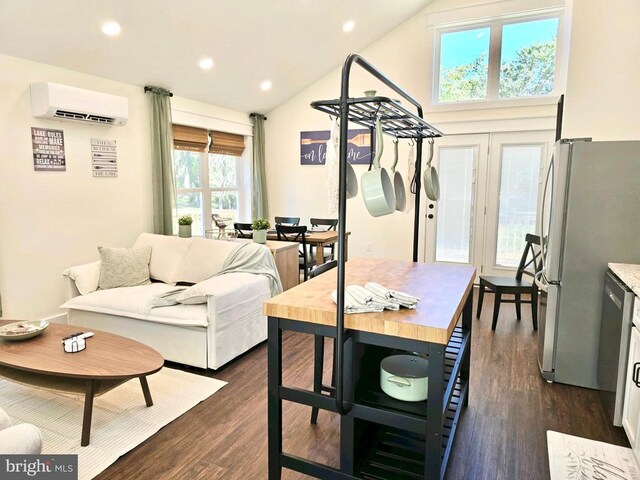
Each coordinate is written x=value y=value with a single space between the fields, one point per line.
x=615 y=332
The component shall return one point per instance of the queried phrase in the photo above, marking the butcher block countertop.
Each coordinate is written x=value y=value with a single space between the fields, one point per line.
x=442 y=290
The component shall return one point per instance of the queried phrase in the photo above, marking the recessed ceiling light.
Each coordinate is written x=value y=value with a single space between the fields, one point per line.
x=111 y=28
x=266 y=85
x=206 y=63
x=347 y=27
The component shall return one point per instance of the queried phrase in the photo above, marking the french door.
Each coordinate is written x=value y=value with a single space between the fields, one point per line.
x=490 y=195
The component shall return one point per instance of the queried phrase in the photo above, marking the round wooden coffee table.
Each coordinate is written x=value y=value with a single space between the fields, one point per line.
x=108 y=361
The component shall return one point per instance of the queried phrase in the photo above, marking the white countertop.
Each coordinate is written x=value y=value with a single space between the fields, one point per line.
x=629 y=274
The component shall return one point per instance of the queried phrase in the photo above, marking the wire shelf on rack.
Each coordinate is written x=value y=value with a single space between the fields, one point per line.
x=395 y=119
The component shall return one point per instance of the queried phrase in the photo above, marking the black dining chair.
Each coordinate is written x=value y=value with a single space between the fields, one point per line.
x=242 y=230
x=291 y=221
x=298 y=234
x=530 y=264
x=330 y=224
x=318 y=351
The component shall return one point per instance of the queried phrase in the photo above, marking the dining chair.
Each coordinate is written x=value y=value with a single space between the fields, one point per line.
x=330 y=224
x=531 y=260
x=242 y=230
x=298 y=234
x=291 y=221
x=318 y=351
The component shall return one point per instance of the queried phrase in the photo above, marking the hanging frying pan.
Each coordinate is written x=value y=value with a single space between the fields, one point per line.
x=352 y=179
x=430 y=177
x=377 y=189
x=398 y=182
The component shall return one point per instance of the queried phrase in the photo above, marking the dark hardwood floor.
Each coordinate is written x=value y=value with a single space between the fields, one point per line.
x=502 y=434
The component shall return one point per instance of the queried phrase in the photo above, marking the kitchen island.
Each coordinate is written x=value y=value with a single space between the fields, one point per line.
x=380 y=437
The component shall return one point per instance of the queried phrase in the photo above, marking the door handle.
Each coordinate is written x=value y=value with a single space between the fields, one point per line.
x=636 y=373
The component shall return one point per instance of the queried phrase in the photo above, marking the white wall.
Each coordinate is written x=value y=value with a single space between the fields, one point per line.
x=404 y=55
x=602 y=99
x=52 y=220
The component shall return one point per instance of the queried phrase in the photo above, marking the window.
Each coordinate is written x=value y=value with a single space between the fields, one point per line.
x=209 y=182
x=503 y=59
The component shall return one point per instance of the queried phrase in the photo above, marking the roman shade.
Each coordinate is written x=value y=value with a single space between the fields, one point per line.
x=190 y=138
x=226 y=143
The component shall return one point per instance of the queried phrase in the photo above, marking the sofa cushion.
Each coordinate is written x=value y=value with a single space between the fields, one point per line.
x=203 y=259
x=124 y=267
x=135 y=302
x=167 y=254
x=86 y=277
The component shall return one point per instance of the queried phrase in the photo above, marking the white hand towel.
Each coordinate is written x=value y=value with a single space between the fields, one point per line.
x=368 y=297
x=351 y=305
x=404 y=299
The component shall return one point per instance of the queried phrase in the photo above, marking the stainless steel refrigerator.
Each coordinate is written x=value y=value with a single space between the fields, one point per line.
x=590 y=216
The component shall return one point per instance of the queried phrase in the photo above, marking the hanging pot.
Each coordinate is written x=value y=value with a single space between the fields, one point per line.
x=430 y=178
x=398 y=182
x=405 y=377
x=333 y=170
x=377 y=189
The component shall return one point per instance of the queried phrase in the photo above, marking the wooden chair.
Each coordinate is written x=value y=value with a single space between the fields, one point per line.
x=331 y=224
x=242 y=229
x=298 y=234
x=515 y=286
x=292 y=221
x=318 y=351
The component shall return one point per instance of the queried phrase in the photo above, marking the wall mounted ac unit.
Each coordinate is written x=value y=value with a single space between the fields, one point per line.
x=52 y=100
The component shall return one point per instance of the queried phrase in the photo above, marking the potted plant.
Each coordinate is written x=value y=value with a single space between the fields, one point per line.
x=260 y=227
x=184 y=226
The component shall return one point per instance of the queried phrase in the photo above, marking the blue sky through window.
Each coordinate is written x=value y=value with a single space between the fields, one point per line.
x=463 y=47
x=517 y=36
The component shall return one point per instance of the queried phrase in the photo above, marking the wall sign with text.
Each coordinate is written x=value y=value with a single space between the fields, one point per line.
x=48 y=149
x=313 y=147
x=104 y=158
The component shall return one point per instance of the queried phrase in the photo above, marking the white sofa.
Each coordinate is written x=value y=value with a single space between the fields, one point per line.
x=205 y=335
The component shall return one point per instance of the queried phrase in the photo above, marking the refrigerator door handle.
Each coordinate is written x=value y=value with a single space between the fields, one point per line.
x=542 y=221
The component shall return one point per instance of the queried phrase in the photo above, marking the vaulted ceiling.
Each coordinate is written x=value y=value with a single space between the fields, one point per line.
x=292 y=43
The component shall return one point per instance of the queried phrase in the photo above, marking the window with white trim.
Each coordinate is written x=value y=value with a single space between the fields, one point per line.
x=209 y=182
x=506 y=58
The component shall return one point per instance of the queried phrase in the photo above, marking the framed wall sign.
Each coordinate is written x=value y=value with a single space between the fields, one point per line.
x=48 y=149
x=313 y=147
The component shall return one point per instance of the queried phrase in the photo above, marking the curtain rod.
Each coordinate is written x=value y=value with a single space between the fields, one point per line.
x=159 y=90
x=255 y=114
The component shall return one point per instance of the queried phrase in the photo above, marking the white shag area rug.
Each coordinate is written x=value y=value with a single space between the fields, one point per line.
x=121 y=420
x=577 y=458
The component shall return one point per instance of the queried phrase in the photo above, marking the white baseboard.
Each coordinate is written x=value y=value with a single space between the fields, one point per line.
x=60 y=318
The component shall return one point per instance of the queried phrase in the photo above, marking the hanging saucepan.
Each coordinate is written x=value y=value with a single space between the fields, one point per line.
x=398 y=183
x=430 y=177
x=352 y=179
x=377 y=189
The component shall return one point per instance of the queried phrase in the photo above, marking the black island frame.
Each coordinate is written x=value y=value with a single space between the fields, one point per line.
x=380 y=436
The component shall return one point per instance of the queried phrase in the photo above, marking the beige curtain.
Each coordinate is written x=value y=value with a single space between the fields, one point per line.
x=259 y=206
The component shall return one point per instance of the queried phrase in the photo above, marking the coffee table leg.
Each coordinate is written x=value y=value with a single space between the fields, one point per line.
x=146 y=391
x=92 y=386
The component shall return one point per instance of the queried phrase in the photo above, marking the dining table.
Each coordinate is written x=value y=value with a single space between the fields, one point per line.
x=318 y=240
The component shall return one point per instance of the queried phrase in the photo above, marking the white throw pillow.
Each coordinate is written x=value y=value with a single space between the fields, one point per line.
x=124 y=267
x=86 y=277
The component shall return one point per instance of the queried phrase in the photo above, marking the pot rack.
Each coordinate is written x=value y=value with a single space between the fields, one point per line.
x=395 y=120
